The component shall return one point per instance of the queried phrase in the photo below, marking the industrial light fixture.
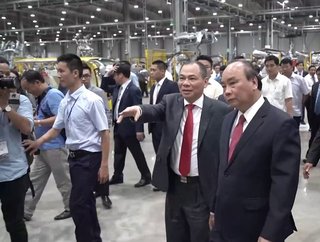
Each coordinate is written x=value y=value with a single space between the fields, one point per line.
x=283 y=22
x=316 y=20
x=79 y=30
x=168 y=29
x=98 y=33
x=295 y=27
x=209 y=22
x=152 y=26
x=158 y=32
x=120 y=31
x=289 y=25
x=217 y=32
x=232 y=28
x=34 y=21
x=135 y=6
x=159 y=11
x=84 y=27
x=250 y=24
x=116 y=20
x=241 y=30
x=9 y=23
x=223 y=1
x=114 y=35
x=197 y=8
x=13 y=27
x=286 y=1
x=64 y=12
x=206 y=30
x=16 y=32
x=3 y=17
x=66 y=3
x=274 y=18
x=58 y=32
x=94 y=36
x=91 y=16
x=214 y=14
x=143 y=30
x=36 y=26
x=149 y=35
x=29 y=6
x=240 y=5
x=87 y=22
x=98 y=9
x=310 y=16
x=259 y=27
x=194 y=27
x=146 y=18
x=60 y=24
x=221 y=26
x=62 y=19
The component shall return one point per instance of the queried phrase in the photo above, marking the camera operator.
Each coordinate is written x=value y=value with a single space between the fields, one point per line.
x=13 y=161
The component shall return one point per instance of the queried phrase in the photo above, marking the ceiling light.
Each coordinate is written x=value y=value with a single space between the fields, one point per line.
x=310 y=16
x=66 y=3
x=60 y=24
x=13 y=27
x=29 y=6
x=1 y=36
x=98 y=33
x=217 y=32
x=64 y=12
x=159 y=11
x=77 y=34
x=87 y=22
x=152 y=26
x=197 y=8
x=283 y=22
x=60 y=29
x=316 y=20
x=116 y=20
x=58 y=32
x=98 y=9
x=9 y=23
x=57 y=35
x=34 y=21
x=214 y=14
x=84 y=27
x=221 y=26
x=57 y=39
x=250 y=24
x=168 y=29
x=296 y=27
x=149 y=35
x=136 y=6
x=62 y=19
x=170 y=34
x=240 y=5
x=91 y=16
x=158 y=32
x=114 y=35
x=206 y=30
x=79 y=30
x=259 y=27
x=296 y=7
x=94 y=36
x=40 y=40
x=32 y=15
x=147 y=18
x=286 y=1
x=274 y=18
x=209 y=22
x=223 y=1
x=143 y=30
x=3 y=17
x=289 y=25
x=16 y=32
x=4 y=38
x=194 y=27
x=27 y=44
x=232 y=28
x=37 y=33
x=36 y=26
x=120 y=31
x=135 y=33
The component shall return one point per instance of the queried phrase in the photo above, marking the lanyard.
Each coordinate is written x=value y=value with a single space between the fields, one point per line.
x=72 y=107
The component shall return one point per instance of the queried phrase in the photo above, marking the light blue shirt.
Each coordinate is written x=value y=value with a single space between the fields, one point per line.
x=135 y=80
x=15 y=165
x=83 y=116
x=49 y=107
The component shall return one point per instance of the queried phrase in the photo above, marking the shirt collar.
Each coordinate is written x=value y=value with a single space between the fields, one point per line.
x=78 y=92
x=251 y=112
x=161 y=82
x=275 y=79
x=198 y=103
x=124 y=85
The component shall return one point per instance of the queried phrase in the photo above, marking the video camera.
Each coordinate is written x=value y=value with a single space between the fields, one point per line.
x=7 y=82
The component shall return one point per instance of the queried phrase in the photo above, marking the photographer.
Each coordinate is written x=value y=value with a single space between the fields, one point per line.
x=13 y=161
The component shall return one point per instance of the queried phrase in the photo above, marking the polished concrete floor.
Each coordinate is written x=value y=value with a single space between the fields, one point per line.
x=138 y=213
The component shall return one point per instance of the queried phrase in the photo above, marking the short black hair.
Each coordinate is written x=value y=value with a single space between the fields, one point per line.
x=32 y=76
x=160 y=64
x=286 y=61
x=300 y=62
x=239 y=57
x=250 y=71
x=216 y=64
x=272 y=58
x=86 y=66
x=223 y=67
x=73 y=62
x=4 y=61
x=311 y=66
x=203 y=69
x=124 y=67
x=206 y=58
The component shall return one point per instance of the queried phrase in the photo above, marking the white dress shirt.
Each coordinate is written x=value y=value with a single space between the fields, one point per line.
x=213 y=90
x=176 y=151
x=277 y=90
x=310 y=81
x=122 y=89
x=83 y=116
x=299 y=88
x=156 y=90
x=249 y=114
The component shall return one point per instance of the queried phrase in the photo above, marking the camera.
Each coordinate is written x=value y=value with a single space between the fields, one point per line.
x=7 y=82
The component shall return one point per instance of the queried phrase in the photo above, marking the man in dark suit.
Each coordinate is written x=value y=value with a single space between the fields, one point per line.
x=127 y=134
x=300 y=69
x=259 y=164
x=162 y=87
x=187 y=160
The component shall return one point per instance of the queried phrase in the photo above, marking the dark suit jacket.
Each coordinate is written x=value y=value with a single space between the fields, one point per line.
x=313 y=154
x=131 y=96
x=304 y=73
x=170 y=111
x=166 y=88
x=313 y=118
x=257 y=187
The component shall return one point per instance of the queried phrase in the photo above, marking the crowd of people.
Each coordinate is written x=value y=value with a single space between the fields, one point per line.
x=226 y=140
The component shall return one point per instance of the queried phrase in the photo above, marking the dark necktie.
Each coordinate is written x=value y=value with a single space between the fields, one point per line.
x=186 y=147
x=236 y=135
x=313 y=79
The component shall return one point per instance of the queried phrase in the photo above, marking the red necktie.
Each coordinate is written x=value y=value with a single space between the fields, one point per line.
x=186 y=147
x=236 y=135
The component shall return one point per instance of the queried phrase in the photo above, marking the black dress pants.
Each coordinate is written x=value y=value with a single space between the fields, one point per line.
x=12 y=195
x=187 y=214
x=120 y=150
x=84 y=176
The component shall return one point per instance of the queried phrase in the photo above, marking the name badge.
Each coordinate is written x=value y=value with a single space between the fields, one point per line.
x=4 y=153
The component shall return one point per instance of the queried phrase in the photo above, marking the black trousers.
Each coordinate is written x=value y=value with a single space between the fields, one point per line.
x=156 y=137
x=187 y=214
x=120 y=150
x=298 y=120
x=84 y=176
x=12 y=194
x=102 y=189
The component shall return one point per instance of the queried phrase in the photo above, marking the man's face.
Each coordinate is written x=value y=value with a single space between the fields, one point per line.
x=238 y=90
x=67 y=77
x=287 y=70
x=156 y=73
x=32 y=88
x=4 y=69
x=86 y=78
x=207 y=65
x=191 y=84
x=312 y=71
x=217 y=69
x=300 y=67
x=271 y=68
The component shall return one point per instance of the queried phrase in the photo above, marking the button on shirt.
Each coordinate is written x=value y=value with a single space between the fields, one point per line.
x=197 y=110
x=157 y=88
x=299 y=88
x=277 y=90
x=48 y=107
x=82 y=114
x=15 y=165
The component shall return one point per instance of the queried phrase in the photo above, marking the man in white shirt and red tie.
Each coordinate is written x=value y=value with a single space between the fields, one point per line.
x=259 y=164
x=187 y=160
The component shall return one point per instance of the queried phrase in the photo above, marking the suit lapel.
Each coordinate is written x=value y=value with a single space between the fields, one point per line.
x=178 y=108
x=161 y=91
x=151 y=93
x=255 y=123
x=124 y=94
x=206 y=115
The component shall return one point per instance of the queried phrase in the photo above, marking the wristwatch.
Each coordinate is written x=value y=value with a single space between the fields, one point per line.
x=7 y=109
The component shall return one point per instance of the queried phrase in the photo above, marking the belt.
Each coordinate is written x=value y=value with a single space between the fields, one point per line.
x=187 y=179
x=75 y=154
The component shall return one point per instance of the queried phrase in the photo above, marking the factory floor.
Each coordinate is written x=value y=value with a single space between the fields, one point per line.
x=137 y=214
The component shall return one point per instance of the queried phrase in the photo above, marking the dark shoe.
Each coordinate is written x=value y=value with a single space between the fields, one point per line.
x=116 y=180
x=26 y=218
x=64 y=215
x=143 y=182
x=106 y=202
x=156 y=189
